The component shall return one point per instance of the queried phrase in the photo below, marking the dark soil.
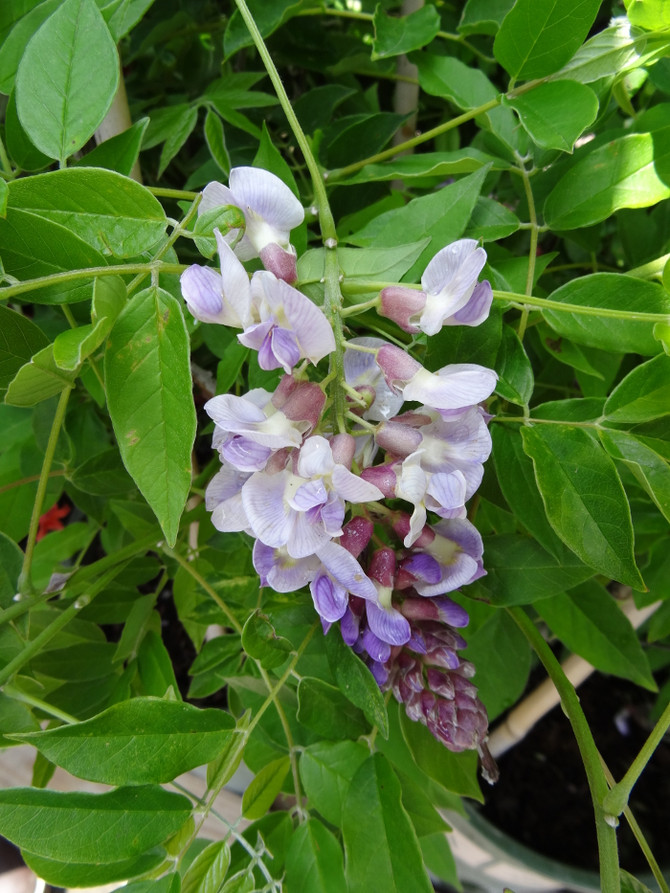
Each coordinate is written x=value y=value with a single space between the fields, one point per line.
x=543 y=800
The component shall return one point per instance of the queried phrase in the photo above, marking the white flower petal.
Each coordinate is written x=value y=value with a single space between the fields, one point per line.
x=236 y=288
x=260 y=191
x=305 y=537
x=263 y=501
x=453 y=387
x=316 y=457
x=349 y=486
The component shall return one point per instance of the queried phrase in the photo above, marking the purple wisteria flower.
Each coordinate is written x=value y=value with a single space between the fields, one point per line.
x=281 y=323
x=451 y=294
x=270 y=211
x=452 y=387
x=250 y=429
x=304 y=509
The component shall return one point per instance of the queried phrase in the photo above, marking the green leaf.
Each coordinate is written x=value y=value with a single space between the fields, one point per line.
x=643 y=395
x=323 y=709
x=177 y=136
x=357 y=683
x=610 y=53
x=314 y=862
x=155 y=668
x=651 y=470
x=468 y=88
x=629 y=172
x=73 y=346
x=491 y=221
x=112 y=213
x=38 y=380
x=466 y=344
x=24 y=23
x=124 y=16
x=483 y=16
x=58 y=102
x=103 y=475
x=137 y=742
x=651 y=14
x=520 y=571
x=382 y=850
x=14 y=717
x=555 y=114
x=425 y=818
x=22 y=151
x=326 y=771
x=33 y=246
x=11 y=562
x=208 y=871
x=148 y=379
x=537 y=37
x=20 y=338
x=118 y=153
x=397 y=35
x=91 y=828
x=584 y=499
x=457 y=772
x=169 y=883
x=515 y=381
x=267 y=16
x=263 y=790
x=216 y=141
x=68 y=874
x=502 y=656
x=260 y=641
x=426 y=166
x=352 y=137
x=517 y=482
x=443 y=216
x=590 y=623
x=611 y=291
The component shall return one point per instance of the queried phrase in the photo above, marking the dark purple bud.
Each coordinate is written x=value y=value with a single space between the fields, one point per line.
x=382 y=567
x=382 y=476
x=356 y=534
x=299 y=400
x=401 y=526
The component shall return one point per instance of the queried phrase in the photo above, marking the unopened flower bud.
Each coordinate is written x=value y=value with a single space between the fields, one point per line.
x=382 y=476
x=280 y=262
x=400 y=303
x=356 y=534
x=343 y=447
x=398 y=439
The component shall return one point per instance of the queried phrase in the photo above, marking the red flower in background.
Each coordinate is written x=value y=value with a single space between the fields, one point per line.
x=51 y=520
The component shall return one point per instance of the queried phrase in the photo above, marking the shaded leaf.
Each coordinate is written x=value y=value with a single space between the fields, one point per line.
x=397 y=35
x=262 y=791
x=148 y=379
x=382 y=852
x=314 y=861
x=589 y=622
x=578 y=480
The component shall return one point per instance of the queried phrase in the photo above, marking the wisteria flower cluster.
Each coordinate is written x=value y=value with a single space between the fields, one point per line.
x=372 y=518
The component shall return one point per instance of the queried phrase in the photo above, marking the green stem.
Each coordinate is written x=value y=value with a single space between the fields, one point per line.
x=18 y=609
x=233 y=622
x=17 y=695
x=30 y=480
x=326 y=221
x=639 y=837
x=332 y=292
x=35 y=645
x=289 y=739
x=11 y=291
x=606 y=833
x=617 y=798
x=342 y=172
x=179 y=194
x=532 y=250
x=6 y=163
x=353 y=287
x=24 y=578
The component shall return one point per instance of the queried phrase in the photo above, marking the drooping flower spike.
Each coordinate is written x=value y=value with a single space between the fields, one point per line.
x=270 y=211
